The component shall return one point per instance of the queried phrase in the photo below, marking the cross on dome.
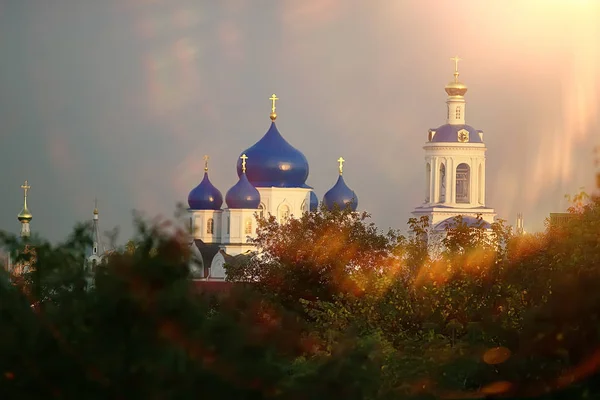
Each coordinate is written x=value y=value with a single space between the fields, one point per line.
x=273 y=99
x=206 y=163
x=456 y=60
x=244 y=157
x=341 y=162
x=25 y=188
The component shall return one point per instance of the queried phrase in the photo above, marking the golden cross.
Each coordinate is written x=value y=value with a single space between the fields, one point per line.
x=244 y=157
x=206 y=163
x=341 y=161
x=273 y=99
x=456 y=60
x=25 y=188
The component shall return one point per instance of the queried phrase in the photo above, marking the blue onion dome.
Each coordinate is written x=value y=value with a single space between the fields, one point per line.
x=243 y=194
x=449 y=133
x=314 y=201
x=205 y=196
x=273 y=162
x=340 y=194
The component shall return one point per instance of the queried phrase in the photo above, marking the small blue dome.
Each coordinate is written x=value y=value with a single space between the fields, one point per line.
x=205 y=196
x=243 y=195
x=314 y=201
x=449 y=134
x=273 y=162
x=341 y=195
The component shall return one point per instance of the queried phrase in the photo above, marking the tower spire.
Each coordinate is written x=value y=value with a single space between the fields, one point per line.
x=97 y=245
x=456 y=101
x=25 y=215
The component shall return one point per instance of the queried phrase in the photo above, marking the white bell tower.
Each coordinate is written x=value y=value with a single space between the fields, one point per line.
x=454 y=165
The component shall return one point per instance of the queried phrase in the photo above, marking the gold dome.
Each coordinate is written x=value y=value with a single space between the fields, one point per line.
x=25 y=215
x=456 y=88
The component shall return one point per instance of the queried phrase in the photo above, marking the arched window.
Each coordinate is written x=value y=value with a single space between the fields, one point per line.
x=228 y=225
x=95 y=250
x=463 y=181
x=428 y=177
x=284 y=214
x=248 y=226
x=304 y=207
x=442 y=183
x=457 y=112
x=210 y=226
x=261 y=210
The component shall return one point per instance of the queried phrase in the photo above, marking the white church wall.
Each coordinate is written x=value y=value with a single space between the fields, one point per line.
x=202 y=227
x=276 y=199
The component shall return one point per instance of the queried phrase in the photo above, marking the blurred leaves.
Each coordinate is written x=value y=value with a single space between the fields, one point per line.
x=329 y=308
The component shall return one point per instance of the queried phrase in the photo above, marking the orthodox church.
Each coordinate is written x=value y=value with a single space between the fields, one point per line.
x=272 y=181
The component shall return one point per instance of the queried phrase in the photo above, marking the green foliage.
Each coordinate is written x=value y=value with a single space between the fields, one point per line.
x=331 y=308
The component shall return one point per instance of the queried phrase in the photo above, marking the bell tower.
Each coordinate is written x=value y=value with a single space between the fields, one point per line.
x=454 y=165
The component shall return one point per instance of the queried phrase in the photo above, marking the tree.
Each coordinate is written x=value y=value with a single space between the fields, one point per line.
x=318 y=255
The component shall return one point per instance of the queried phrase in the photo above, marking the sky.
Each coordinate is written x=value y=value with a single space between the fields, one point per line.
x=119 y=100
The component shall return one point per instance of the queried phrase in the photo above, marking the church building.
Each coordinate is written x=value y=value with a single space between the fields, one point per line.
x=272 y=181
x=455 y=167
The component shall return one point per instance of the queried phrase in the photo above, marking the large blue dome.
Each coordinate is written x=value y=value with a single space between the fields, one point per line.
x=243 y=195
x=341 y=195
x=273 y=162
x=205 y=196
x=448 y=133
x=314 y=201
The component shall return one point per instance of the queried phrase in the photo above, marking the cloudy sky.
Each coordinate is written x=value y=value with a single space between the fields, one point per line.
x=120 y=99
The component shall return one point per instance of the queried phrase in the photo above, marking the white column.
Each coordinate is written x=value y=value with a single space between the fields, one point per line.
x=447 y=181
x=472 y=182
x=431 y=181
x=435 y=183
x=452 y=171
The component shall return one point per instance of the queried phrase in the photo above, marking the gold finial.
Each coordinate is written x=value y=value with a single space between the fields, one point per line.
x=456 y=88
x=206 y=163
x=273 y=99
x=456 y=60
x=25 y=215
x=341 y=162
x=244 y=157
x=96 y=206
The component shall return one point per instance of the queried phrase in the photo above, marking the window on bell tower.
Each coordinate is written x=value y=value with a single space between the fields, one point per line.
x=210 y=226
x=463 y=183
x=458 y=112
